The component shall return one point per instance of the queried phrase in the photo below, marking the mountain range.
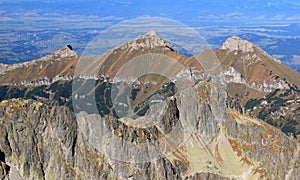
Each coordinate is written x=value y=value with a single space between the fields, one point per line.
x=243 y=122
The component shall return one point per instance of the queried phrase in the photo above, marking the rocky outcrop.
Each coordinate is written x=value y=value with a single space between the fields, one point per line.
x=236 y=43
x=4 y=170
x=47 y=141
x=41 y=81
x=233 y=76
x=207 y=176
x=37 y=140
x=3 y=68
x=42 y=142
x=148 y=41
x=268 y=151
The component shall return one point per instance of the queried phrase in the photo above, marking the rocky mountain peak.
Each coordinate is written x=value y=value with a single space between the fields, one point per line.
x=65 y=52
x=150 y=40
x=43 y=71
x=152 y=34
x=236 y=43
x=3 y=68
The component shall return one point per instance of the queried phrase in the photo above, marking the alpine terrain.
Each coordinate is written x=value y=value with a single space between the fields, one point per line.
x=60 y=120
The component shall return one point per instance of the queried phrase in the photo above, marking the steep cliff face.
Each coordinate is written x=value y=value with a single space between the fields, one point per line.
x=47 y=141
x=41 y=141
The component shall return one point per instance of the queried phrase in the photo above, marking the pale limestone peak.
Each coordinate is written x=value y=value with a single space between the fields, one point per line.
x=65 y=52
x=150 y=40
x=236 y=43
x=152 y=34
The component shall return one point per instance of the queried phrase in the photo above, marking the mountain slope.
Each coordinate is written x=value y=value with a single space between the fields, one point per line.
x=254 y=63
x=58 y=65
x=199 y=134
x=143 y=48
x=265 y=87
x=259 y=70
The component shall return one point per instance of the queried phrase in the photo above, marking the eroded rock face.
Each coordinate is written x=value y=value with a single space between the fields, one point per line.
x=4 y=170
x=233 y=76
x=267 y=150
x=3 y=68
x=238 y=44
x=37 y=140
x=149 y=41
x=46 y=141
x=41 y=141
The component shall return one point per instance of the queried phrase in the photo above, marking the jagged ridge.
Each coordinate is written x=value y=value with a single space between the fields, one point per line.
x=221 y=141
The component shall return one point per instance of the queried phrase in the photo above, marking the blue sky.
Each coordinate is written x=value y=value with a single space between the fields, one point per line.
x=187 y=11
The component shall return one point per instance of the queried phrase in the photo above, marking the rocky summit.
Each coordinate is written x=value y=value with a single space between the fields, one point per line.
x=230 y=125
x=149 y=40
x=238 y=44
